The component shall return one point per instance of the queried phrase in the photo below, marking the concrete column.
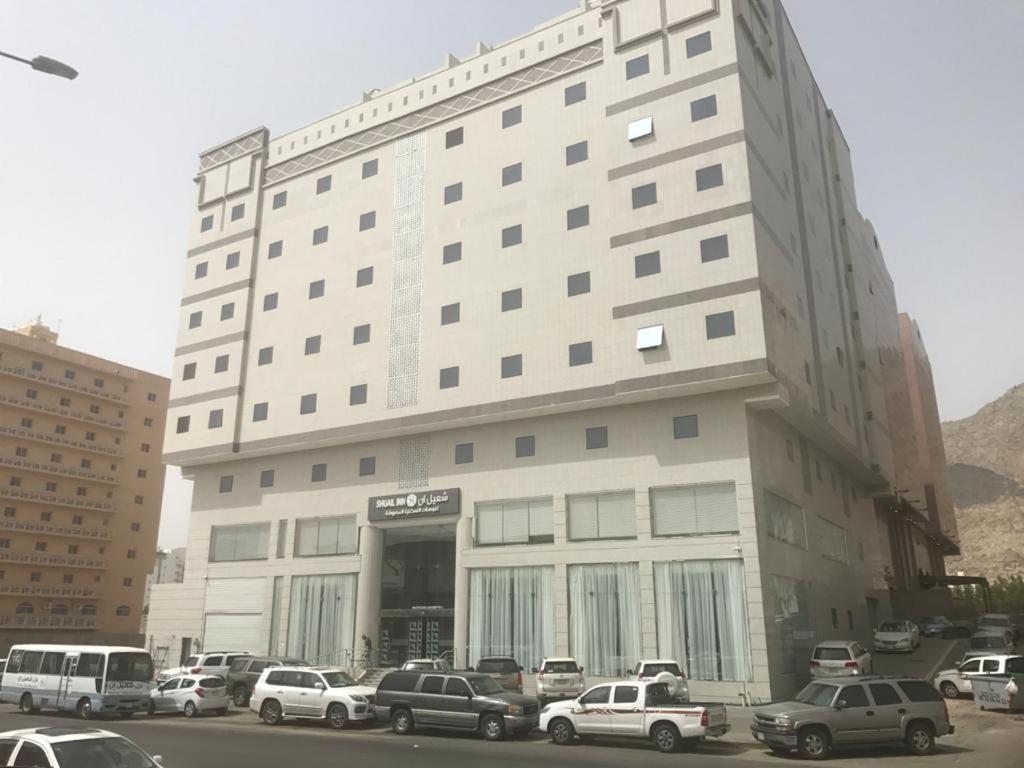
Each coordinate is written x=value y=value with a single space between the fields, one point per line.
x=463 y=541
x=371 y=557
x=561 y=610
x=648 y=617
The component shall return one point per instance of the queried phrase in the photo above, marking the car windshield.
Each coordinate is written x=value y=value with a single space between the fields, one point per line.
x=211 y=682
x=817 y=694
x=338 y=679
x=892 y=626
x=100 y=753
x=653 y=670
x=994 y=621
x=501 y=666
x=484 y=686
x=136 y=667
x=990 y=641
x=831 y=654
x=563 y=667
x=418 y=665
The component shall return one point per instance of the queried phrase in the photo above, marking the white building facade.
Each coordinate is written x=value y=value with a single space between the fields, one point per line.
x=574 y=346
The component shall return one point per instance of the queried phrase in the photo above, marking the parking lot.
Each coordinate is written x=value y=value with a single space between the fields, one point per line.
x=983 y=738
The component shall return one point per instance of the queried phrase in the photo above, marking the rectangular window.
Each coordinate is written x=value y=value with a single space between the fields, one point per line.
x=694 y=510
x=511 y=174
x=522 y=521
x=183 y=424
x=220 y=364
x=361 y=334
x=511 y=611
x=323 y=184
x=511 y=116
x=320 y=235
x=602 y=516
x=604 y=617
x=226 y=484
x=833 y=540
x=578 y=283
x=259 y=411
x=318 y=474
x=451 y=252
x=710 y=177
x=312 y=345
x=206 y=224
x=511 y=299
x=684 y=427
x=596 y=438
x=357 y=394
x=785 y=520
x=714 y=248
x=641 y=65
x=265 y=356
x=452 y=194
x=647 y=264
x=453 y=138
x=511 y=366
x=576 y=153
x=280 y=200
x=227 y=311
x=231 y=261
x=230 y=543
x=575 y=93
x=307 y=404
x=316 y=289
x=364 y=277
x=370 y=168
x=702 y=618
x=644 y=195
x=698 y=44
x=526 y=446
x=269 y=302
x=581 y=353
x=325 y=536
x=276 y=248
x=464 y=453
x=577 y=217
x=267 y=478
x=450 y=313
x=449 y=377
x=367 y=466
x=511 y=235
x=720 y=325
x=201 y=269
x=701 y=109
x=195 y=319
x=237 y=211
x=216 y=419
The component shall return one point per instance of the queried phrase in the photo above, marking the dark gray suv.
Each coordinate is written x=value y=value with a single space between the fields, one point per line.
x=246 y=670
x=464 y=701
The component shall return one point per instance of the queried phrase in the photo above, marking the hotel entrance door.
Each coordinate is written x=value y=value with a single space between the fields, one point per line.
x=428 y=635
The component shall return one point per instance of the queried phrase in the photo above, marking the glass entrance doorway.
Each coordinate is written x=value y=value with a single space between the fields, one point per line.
x=417 y=593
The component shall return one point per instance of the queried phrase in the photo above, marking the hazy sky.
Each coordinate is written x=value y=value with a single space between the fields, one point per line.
x=96 y=174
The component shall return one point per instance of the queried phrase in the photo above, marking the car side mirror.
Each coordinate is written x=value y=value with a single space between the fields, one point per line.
x=841 y=704
x=320 y=686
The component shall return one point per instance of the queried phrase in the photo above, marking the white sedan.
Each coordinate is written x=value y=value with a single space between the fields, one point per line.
x=191 y=694
x=897 y=636
x=72 y=747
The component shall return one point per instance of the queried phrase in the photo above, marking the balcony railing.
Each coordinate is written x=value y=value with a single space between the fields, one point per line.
x=34 y=591
x=56 y=501
x=69 y=384
x=60 y=561
x=69 y=531
x=69 y=413
x=57 y=469
x=32 y=621
x=43 y=437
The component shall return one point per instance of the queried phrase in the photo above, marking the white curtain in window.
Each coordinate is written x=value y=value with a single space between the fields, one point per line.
x=239 y=542
x=511 y=611
x=702 y=617
x=604 y=617
x=321 y=618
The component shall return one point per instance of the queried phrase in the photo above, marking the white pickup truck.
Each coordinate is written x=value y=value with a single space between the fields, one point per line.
x=636 y=709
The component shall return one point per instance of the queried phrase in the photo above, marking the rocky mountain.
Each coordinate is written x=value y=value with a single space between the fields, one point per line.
x=985 y=453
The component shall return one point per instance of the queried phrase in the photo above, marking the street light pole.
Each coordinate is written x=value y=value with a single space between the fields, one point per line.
x=47 y=65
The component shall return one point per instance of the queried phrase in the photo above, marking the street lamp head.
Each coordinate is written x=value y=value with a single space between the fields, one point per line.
x=54 y=67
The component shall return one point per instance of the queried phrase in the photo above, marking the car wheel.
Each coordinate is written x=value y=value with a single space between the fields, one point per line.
x=402 y=722
x=665 y=737
x=84 y=709
x=492 y=727
x=240 y=696
x=270 y=713
x=190 y=709
x=949 y=690
x=26 y=706
x=561 y=732
x=920 y=738
x=337 y=716
x=813 y=743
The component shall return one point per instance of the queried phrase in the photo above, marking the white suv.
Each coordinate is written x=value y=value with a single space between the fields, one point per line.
x=665 y=671
x=69 y=747
x=323 y=693
x=560 y=678
x=209 y=663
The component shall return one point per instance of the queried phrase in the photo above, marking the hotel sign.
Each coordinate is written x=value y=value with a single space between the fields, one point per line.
x=408 y=506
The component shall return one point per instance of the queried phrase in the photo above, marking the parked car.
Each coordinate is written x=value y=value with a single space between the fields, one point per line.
x=559 y=678
x=320 y=693
x=427 y=665
x=937 y=626
x=997 y=622
x=245 y=671
x=464 y=701
x=995 y=642
x=829 y=715
x=72 y=747
x=955 y=682
x=840 y=658
x=504 y=670
x=191 y=694
x=897 y=636
x=636 y=709
x=665 y=671
x=209 y=663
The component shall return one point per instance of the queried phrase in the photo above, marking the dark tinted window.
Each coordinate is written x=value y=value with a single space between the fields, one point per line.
x=31 y=662
x=171 y=685
x=90 y=665
x=883 y=694
x=854 y=696
x=187 y=682
x=432 y=684
x=239 y=664
x=293 y=679
x=52 y=663
x=310 y=679
x=399 y=681
x=598 y=695
x=275 y=678
x=626 y=694
x=31 y=755
x=6 y=747
x=1015 y=665
x=919 y=690
x=213 y=661
x=211 y=682
x=456 y=687
x=502 y=666
x=653 y=670
x=561 y=666
x=258 y=666
x=831 y=654
x=990 y=665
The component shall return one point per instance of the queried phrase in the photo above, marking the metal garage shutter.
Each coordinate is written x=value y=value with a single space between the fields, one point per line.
x=233 y=631
x=235 y=595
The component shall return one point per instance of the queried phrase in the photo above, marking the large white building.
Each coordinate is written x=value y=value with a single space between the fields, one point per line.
x=574 y=346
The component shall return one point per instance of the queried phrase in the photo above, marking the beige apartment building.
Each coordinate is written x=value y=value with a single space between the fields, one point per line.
x=576 y=345
x=81 y=481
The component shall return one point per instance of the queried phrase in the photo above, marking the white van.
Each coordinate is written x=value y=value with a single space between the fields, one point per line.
x=86 y=679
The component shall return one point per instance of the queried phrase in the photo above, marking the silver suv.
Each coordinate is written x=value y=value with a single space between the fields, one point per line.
x=871 y=710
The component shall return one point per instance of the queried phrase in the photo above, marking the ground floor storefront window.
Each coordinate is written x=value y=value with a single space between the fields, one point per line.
x=511 y=612
x=321 y=618
x=604 y=617
x=702 y=617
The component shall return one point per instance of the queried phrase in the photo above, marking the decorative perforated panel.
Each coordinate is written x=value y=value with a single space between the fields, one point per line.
x=406 y=273
x=414 y=462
